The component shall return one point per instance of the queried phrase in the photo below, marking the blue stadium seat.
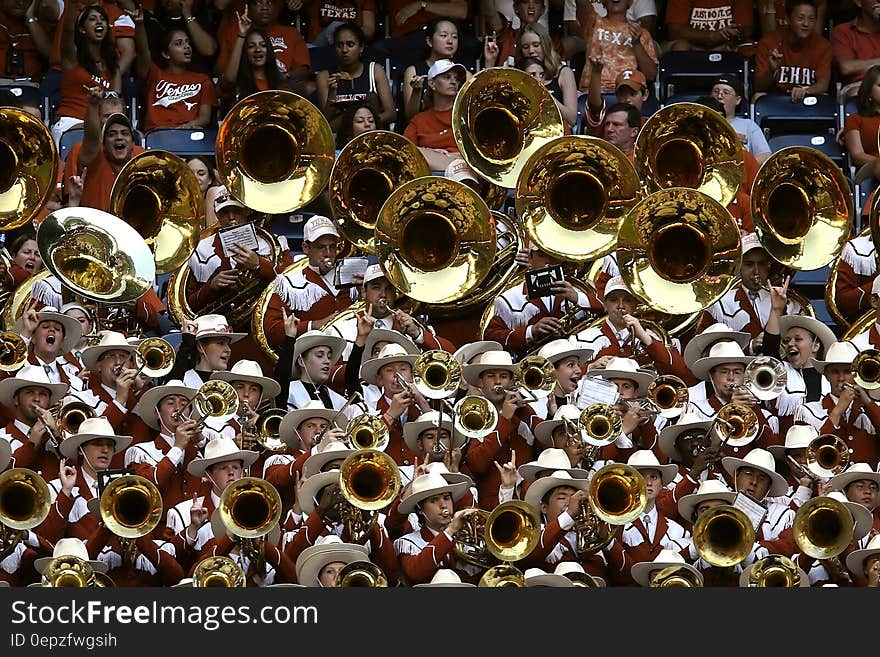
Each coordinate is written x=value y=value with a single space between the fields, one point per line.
x=823 y=315
x=697 y=71
x=68 y=139
x=823 y=143
x=777 y=115
x=691 y=96
x=291 y=227
x=23 y=89
x=811 y=277
x=323 y=58
x=850 y=107
x=182 y=141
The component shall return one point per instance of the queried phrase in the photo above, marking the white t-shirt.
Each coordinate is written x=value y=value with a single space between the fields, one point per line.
x=637 y=10
x=505 y=8
x=751 y=135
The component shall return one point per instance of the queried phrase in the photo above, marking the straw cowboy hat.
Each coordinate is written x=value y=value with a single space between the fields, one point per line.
x=312 y=486
x=714 y=333
x=218 y=451
x=428 y=485
x=5 y=454
x=312 y=339
x=323 y=453
x=575 y=572
x=557 y=350
x=839 y=353
x=71 y=327
x=763 y=461
x=326 y=550
x=645 y=459
x=625 y=368
x=670 y=433
x=391 y=336
x=853 y=473
x=30 y=375
x=719 y=354
x=149 y=401
x=412 y=430
x=452 y=477
x=488 y=360
x=446 y=578
x=855 y=560
x=93 y=428
x=289 y=426
x=468 y=351
x=798 y=436
x=110 y=341
x=70 y=547
x=824 y=334
x=389 y=353
x=250 y=370
x=540 y=487
x=215 y=326
x=711 y=489
x=641 y=572
x=544 y=430
x=862 y=516
x=538 y=577
x=551 y=459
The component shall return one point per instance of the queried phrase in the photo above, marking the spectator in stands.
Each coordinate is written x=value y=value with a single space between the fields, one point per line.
x=431 y=130
x=25 y=261
x=356 y=120
x=856 y=44
x=860 y=129
x=176 y=96
x=205 y=169
x=538 y=70
x=252 y=66
x=729 y=90
x=621 y=127
x=88 y=56
x=24 y=47
x=622 y=45
x=643 y=12
x=773 y=16
x=500 y=48
x=187 y=16
x=794 y=60
x=353 y=80
x=441 y=37
x=535 y=43
x=326 y=15
x=631 y=88
x=708 y=24
x=408 y=18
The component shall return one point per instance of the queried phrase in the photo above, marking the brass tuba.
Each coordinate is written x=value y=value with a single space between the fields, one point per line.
x=24 y=504
x=500 y=117
x=572 y=194
x=775 y=570
x=28 y=167
x=765 y=377
x=68 y=571
x=823 y=528
x=723 y=535
x=367 y=170
x=361 y=573
x=435 y=239
x=219 y=571
x=275 y=151
x=436 y=374
x=158 y=195
x=617 y=494
x=827 y=455
x=690 y=145
x=13 y=351
x=675 y=576
x=866 y=369
x=802 y=207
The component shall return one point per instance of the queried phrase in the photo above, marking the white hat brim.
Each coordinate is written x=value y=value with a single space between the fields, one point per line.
x=407 y=504
x=90 y=355
x=41 y=563
x=306 y=342
x=471 y=373
x=667 y=472
x=312 y=485
x=529 y=471
x=540 y=487
x=642 y=379
x=9 y=388
x=778 y=484
x=688 y=503
x=72 y=328
x=270 y=387
x=641 y=572
x=289 y=426
x=149 y=401
x=314 y=558
x=197 y=467
x=697 y=344
x=71 y=444
x=669 y=434
x=370 y=368
x=412 y=430
x=703 y=366
x=826 y=335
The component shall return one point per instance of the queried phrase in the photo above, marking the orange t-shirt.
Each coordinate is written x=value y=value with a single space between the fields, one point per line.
x=432 y=129
x=612 y=39
x=98 y=181
x=121 y=26
x=290 y=49
x=324 y=12
x=711 y=15
x=74 y=101
x=799 y=68
x=16 y=36
x=174 y=98
x=868 y=127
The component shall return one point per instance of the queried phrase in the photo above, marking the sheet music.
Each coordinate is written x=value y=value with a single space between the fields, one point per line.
x=596 y=390
x=244 y=235
x=754 y=510
x=347 y=269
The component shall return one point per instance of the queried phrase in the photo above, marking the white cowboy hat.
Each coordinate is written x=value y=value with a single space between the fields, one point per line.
x=762 y=460
x=92 y=428
x=641 y=572
x=312 y=486
x=855 y=560
x=110 y=341
x=468 y=351
x=28 y=376
x=804 y=579
x=566 y=568
x=250 y=370
x=853 y=473
x=538 y=577
x=625 y=368
x=220 y=450
x=488 y=360
x=312 y=339
x=326 y=550
x=447 y=578
x=218 y=528
x=389 y=353
x=540 y=487
x=671 y=432
x=70 y=547
x=645 y=459
x=839 y=353
x=289 y=426
x=544 y=430
x=413 y=429
x=551 y=459
x=824 y=334
x=323 y=453
x=149 y=401
x=215 y=326
x=798 y=436
x=428 y=485
x=557 y=350
x=862 y=516
x=72 y=328
x=391 y=336
x=720 y=353
x=5 y=454
x=711 y=334
x=711 y=489
x=452 y=477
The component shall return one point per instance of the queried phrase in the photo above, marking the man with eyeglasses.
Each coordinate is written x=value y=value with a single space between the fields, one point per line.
x=728 y=90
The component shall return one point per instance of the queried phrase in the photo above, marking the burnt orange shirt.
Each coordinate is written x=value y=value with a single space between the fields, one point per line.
x=799 y=68
x=98 y=181
x=432 y=129
x=290 y=49
x=121 y=26
x=74 y=100
x=174 y=98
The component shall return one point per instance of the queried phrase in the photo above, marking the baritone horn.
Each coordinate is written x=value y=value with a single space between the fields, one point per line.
x=600 y=424
x=369 y=479
x=267 y=430
x=823 y=527
x=536 y=375
x=71 y=415
x=221 y=571
x=765 y=377
x=723 y=535
x=436 y=374
x=131 y=506
x=474 y=417
x=669 y=394
x=512 y=530
x=775 y=570
x=250 y=508
x=802 y=207
x=367 y=431
x=215 y=399
x=866 y=369
x=156 y=356
x=361 y=573
x=13 y=351
x=675 y=577
x=827 y=455
x=737 y=424
x=617 y=494
x=24 y=504
x=68 y=571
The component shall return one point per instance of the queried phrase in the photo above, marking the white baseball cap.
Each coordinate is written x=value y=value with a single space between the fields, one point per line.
x=317 y=227
x=442 y=65
x=226 y=200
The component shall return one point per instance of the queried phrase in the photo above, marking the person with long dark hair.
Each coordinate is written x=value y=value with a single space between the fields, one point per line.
x=252 y=66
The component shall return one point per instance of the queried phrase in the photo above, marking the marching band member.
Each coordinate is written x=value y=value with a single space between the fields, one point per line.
x=320 y=564
x=860 y=484
x=755 y=475
x=558 y=435
x=368 y=343
x=431 y=438
x=87 y=323
x=793 y=454
x=568 y=361
x=644 y=572
x=698 y=347
x=70 y=547
x=870 y=339
x=305 y=370
x=864 y=564
x=856 y=288
x=205 y=348
x=51 y=335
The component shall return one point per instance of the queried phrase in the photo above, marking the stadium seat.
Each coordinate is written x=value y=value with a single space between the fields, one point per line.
x=182 y=141
x=68 y=140
x=291 y=227
x=823 y=143
x=696 y=71
x=23 y=89
x=777 y=115
x=692 y=96
x=323 y=58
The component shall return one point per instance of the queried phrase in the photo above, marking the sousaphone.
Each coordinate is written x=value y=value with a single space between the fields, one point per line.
x=435 y=239
x=368 y=169
x=572 y=194
x=499 y=118
x=28 y=167
x=802 y=207
x=158 y=195
x=679 y=251
x=275 y=151
x=690 y=145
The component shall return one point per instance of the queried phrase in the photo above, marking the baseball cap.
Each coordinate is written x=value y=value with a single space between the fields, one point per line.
x=372 y=273
x=750 y=242
x=732 y=81
x=317 y=227
x=116 y=119
x=632 y=78
x=442 y=65
x=226 y=200
x=615 y=283
x=459 y=171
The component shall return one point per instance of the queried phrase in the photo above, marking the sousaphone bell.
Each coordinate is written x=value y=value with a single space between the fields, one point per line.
x=275 y=151
x=28 y=167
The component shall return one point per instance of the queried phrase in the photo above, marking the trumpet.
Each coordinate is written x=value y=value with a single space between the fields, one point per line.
x=866 y=369
x=348 y=402
x=534 y=378
x=765 y=377
x=600 y=424
x=215 y=400
x=827 y=455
